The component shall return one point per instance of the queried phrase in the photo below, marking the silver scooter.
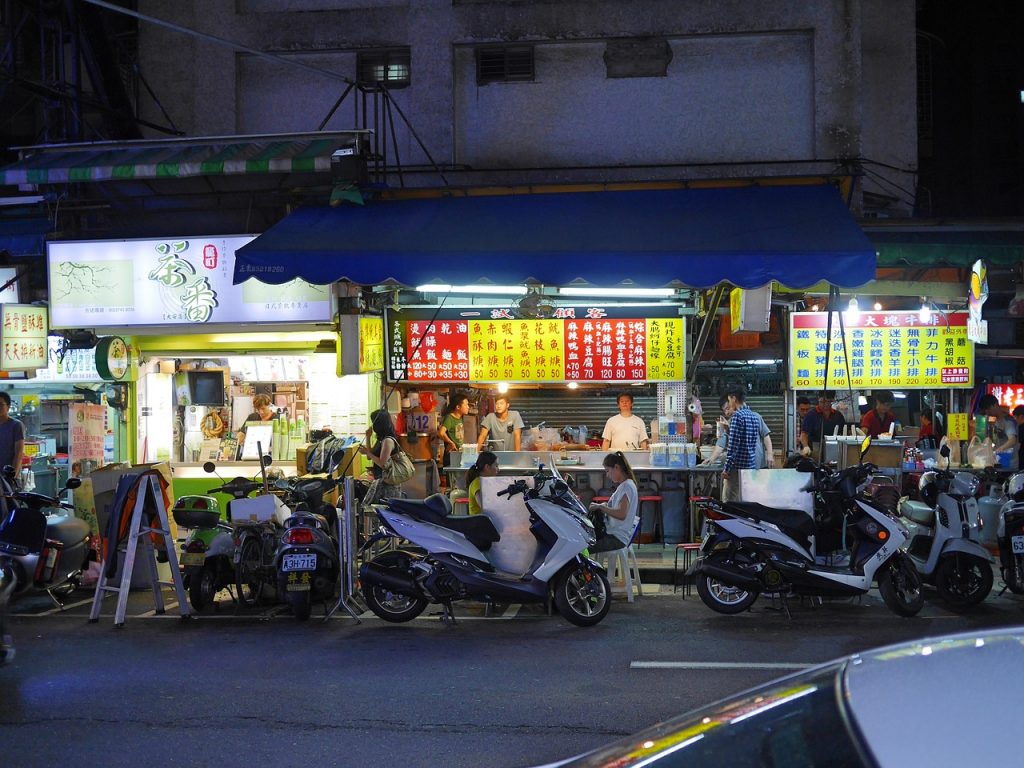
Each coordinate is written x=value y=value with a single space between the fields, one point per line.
x=43 y=548
x=945 y=536
x=451 y=562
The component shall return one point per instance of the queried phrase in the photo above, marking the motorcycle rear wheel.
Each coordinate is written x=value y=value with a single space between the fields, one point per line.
x=580 y=600
x=723 y=598
x=202 y=587
x=900 y=586
x=390 y=605
x=962 y=580
x=301 y=604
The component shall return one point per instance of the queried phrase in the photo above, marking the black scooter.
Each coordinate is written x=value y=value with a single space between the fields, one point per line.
x=307 y=558
x=39 y=552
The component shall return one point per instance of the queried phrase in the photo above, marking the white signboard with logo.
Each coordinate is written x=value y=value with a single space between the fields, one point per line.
x=105 y=283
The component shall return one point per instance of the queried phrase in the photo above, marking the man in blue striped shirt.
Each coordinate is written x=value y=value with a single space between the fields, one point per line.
x=744 y=435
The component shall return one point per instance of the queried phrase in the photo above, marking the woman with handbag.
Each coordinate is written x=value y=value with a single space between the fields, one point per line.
x=383 y=453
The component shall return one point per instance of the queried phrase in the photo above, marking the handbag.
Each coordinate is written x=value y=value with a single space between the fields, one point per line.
x=398 y=468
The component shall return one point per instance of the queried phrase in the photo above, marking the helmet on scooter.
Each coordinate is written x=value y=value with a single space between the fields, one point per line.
x=1015 y=487
x=928 y=488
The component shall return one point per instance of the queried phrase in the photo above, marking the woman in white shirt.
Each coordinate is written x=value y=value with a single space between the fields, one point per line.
x=620 y=511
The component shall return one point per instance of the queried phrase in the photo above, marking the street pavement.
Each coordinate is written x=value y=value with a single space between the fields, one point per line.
x=520 y=688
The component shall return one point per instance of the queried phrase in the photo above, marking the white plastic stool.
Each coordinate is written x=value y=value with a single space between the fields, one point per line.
x=622 y=563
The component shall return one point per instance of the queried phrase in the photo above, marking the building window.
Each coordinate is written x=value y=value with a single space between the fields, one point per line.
x=390 y=68
x=504 y=64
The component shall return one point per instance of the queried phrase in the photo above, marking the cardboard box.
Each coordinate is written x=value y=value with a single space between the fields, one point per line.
x=881 y=453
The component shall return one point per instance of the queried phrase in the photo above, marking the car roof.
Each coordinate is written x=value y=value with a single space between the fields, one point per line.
x=948 y=700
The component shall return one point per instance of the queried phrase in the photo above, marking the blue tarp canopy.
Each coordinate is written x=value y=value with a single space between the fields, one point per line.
x=797 y=235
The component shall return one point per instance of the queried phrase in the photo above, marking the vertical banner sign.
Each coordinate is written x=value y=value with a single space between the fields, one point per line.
x=894 y=350
x=472 y=346
x=977 y=329
x=87 y=429
x=371 y=344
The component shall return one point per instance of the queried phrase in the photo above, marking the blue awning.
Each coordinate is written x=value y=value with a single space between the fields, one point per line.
x=25 y=236
x=797 y=235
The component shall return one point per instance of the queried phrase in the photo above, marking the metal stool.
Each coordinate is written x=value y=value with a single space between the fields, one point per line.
x=688 y=550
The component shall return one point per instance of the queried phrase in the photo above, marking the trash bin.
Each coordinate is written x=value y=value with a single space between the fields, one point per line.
x=673 y=511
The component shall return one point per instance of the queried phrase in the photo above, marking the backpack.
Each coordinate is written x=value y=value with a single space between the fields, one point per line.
x=325 y=455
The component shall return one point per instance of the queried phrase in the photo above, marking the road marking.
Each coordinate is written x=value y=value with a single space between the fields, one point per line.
x=714 y=665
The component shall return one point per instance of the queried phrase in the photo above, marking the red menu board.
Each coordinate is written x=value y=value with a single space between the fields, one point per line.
x=593 y=347
x=442 y=355
x=605 y=350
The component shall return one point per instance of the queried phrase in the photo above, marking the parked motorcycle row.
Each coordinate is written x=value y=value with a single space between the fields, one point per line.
x=280 y=541
x=855 y=539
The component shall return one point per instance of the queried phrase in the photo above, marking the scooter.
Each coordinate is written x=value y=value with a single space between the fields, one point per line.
x=307 y=557
x=207 y=554
x=945 y=536
x=42 y=549
x=454 y=565
x=749 y=549
x=1010 y=535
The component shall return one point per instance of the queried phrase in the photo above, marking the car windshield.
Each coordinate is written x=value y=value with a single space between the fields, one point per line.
x=798 y=721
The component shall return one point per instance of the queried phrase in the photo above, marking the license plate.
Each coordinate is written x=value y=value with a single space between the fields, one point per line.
x=298 y=563
x=194 y=559
x=298 y=587
x=1018 y=544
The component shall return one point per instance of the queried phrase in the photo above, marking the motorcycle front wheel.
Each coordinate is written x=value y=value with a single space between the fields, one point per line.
x=388 y=604
x=582 y=595
x=962 y=580
x=900 y=586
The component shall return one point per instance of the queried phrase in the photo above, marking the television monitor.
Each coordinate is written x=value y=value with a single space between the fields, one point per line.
x=206 y=388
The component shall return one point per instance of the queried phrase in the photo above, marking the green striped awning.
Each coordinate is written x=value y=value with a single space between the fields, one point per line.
x=944 y=248
x=177 y=158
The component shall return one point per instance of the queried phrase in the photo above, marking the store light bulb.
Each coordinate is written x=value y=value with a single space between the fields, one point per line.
x=572 y=385
x=814 y=307
x=878 y=306
x=853 y=309
x=925 y=315
x=502 y=387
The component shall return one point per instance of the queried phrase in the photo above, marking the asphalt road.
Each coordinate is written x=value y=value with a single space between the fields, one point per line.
x=514 y=690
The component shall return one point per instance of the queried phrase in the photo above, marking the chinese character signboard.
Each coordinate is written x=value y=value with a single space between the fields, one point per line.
x=576 y=344
x=169 y=282
x=23 y=337
x=1008 y=395
x=886 y=349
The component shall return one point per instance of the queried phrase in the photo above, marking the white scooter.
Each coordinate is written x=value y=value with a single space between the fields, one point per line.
x=1010 y=535
x=749 y=548
x=945 y=536
x=452 y=562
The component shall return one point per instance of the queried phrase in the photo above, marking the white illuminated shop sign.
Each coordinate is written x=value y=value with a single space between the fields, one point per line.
x=105 y=283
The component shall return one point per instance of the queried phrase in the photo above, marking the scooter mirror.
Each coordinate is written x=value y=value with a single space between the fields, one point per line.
x=267 y=460
x=944 y=451
x=72 y=483
x=864 y=445
x=209 y=467
x=805 y=465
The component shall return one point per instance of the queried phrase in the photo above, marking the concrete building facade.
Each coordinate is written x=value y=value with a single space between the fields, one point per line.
x=562 y=90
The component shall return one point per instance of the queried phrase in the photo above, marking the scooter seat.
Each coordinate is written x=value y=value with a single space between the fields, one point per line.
x=789 y=520
x=918 y=511
x=478 y=529
x=438 y=504
x=67 y=529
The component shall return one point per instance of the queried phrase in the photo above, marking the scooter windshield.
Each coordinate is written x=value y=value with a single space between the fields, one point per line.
x=24 y=529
